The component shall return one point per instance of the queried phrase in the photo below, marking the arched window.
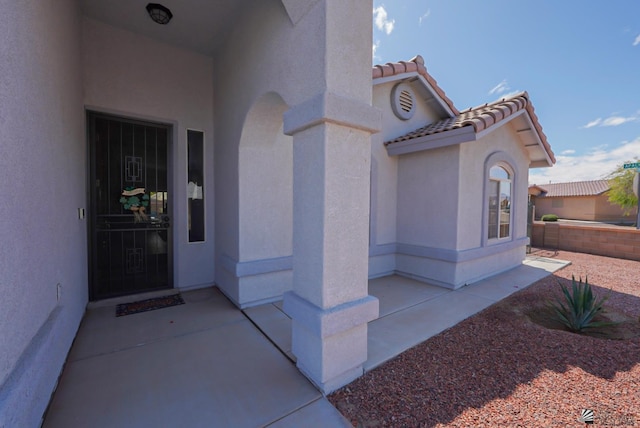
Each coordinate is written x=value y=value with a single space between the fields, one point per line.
x=500 y=196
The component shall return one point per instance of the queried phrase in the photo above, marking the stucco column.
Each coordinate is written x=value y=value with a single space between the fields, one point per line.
x=331 y=128
x=330 y=305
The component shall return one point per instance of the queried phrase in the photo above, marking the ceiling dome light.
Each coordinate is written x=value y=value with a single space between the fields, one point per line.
x=159 y=13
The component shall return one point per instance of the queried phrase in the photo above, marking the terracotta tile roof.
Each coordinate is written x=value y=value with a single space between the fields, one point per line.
x=578 y=188
x=481 y=118
x=415 y=64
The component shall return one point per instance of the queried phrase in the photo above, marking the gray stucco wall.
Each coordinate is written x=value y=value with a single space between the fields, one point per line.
x=270 y=57
x=437 y=198
x=387 y=219
x=428 y=187
x=42 y=183
x=385 y=186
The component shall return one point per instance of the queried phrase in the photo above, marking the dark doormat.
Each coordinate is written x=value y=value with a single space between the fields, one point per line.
x=148 y=305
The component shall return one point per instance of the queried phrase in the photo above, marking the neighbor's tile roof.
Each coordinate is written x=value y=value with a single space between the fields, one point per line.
x=578 y=188
x=415 y=64
x=483 y=117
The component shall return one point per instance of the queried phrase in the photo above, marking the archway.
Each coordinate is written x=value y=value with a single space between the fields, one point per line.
x=265 y=202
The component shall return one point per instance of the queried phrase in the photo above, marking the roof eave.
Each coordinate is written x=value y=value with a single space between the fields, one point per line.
x=433 y=141
x=548 y=161
x=461 y=135
x=451 y=112
x=539 y=164
x=497 y=125
x=394 y=77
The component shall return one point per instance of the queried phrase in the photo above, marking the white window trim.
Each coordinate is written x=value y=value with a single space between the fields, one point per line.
x=503 y=160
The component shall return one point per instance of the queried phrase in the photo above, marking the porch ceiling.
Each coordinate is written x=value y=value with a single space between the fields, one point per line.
x=197 y=25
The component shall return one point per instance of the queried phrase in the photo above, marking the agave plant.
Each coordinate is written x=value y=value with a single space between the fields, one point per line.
x=576 y=309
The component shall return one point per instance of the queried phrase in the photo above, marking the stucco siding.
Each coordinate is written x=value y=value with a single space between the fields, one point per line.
x=392 y=126
x=265 y=49
x=590 y=208
x=264 y=36
x=459 y=270
x=606 y=211
x=575 y=208
x=384 y=200
x=134 y=76
x=384 y=174
x=491 y=264
x=428 y=184
x=266 y=183
x=42 y=183
x=441 y=211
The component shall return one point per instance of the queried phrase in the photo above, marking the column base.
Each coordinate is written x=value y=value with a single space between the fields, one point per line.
x=330 y=344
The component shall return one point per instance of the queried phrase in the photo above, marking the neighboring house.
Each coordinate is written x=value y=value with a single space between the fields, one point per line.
x=581 y=200
x=249 y=164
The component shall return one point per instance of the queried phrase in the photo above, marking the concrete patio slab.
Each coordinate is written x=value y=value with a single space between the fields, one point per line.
x=412 y=311
x=275 y=324
x=173 y=370
x=500 y=286
x=102 y=333
x=396 y=293
x=205 y=363
x=320 y=414
x=400 y=330
x=545 y=263
x=393 y=334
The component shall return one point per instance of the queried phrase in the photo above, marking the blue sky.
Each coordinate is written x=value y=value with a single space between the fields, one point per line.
x=578 y=60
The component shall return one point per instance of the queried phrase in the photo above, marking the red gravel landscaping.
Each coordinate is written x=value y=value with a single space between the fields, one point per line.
x=500 y=368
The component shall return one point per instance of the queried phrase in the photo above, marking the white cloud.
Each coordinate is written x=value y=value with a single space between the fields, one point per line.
x=636 y=42
x=593 y=123
x=568 y=152
x=374 y=50
x=594 y=165
x=426 y=15
x=616 y=120
x=382 y=21
x=500 y=88
x=610 y=121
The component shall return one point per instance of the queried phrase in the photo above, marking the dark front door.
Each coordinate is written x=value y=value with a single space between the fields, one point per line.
x=130 y=213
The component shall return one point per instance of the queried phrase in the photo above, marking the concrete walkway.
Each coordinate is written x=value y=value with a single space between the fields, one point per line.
x=201 y=364
x=412 y=311
x=206 y=364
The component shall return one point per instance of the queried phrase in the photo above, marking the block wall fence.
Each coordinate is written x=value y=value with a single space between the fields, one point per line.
x=623 y=243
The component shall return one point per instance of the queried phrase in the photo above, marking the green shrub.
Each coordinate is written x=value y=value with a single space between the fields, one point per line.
x=576 y=309
x=549 y=217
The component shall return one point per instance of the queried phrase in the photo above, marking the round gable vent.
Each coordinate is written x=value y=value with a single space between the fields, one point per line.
x=403 y=101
